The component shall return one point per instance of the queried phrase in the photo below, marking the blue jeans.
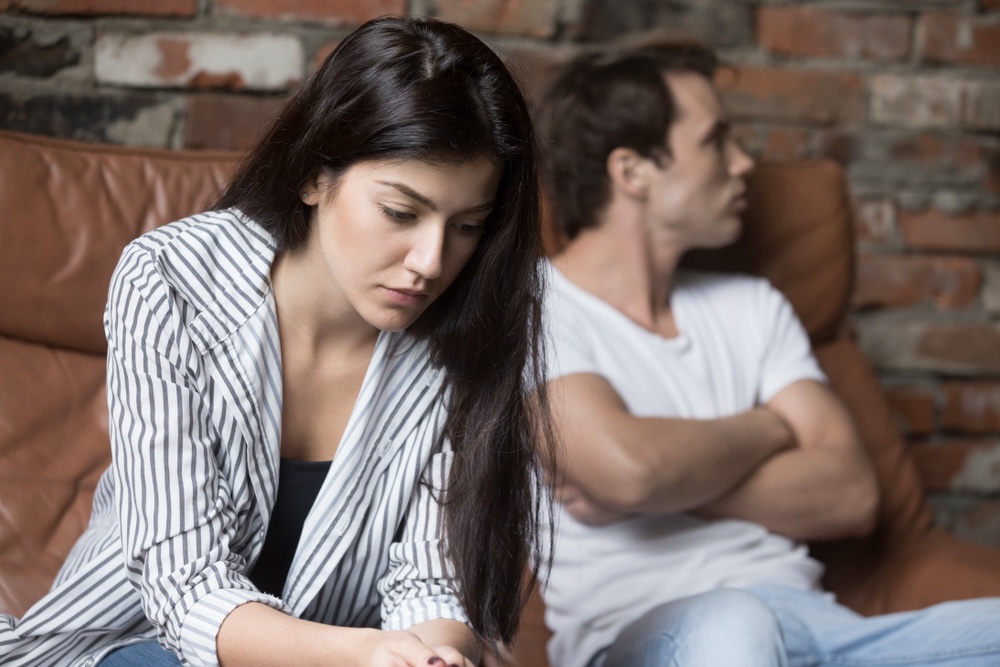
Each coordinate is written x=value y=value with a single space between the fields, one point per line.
x=772 y=626
x=143 y=654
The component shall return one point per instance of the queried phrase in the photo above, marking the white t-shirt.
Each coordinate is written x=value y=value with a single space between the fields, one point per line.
x=740 y=343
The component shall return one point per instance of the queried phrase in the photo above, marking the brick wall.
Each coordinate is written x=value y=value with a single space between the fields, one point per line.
x=904 y=93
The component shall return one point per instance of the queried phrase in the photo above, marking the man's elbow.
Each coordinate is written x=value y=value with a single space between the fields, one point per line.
x=862 y=507
x=628 y=486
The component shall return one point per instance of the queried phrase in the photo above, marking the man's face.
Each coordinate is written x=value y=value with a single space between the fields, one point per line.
x=698 y=191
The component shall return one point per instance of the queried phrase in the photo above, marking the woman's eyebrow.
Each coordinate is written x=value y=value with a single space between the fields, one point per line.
x=413 y=194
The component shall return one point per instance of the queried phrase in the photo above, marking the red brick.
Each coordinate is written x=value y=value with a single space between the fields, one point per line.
x=130 y=7
x=979 y=523
x=955 y=153
x=912 y=408
x=989 y=4
x=337 y=12
x=793 y=95
x=811 y=31
x=991 y=180
x=838 y=144
x=533 y=67
x=322 y=53
x=536 y=18
x=963 y=40
x=776 y=143
x=931 y=229
x=959 y=465
x=887 y=280
x=960 y=347
x=981 y=105
x=937 y=464
x=875 y=219
x=228 y=121
x=785 y=143
x=971 y=407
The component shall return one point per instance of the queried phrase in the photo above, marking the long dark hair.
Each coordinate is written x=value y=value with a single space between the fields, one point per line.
x=608 y=98
x=407 y=88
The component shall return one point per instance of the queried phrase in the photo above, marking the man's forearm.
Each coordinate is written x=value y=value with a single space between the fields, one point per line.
x=802 y=494
x=822 y=489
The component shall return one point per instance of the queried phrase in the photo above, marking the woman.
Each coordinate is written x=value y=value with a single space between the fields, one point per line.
x=319 y=392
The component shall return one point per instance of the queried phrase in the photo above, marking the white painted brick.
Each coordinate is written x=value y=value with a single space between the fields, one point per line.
x=202 y=60
x=935 y=102
x=916 y=101
x=991 y=287
x=981 y=105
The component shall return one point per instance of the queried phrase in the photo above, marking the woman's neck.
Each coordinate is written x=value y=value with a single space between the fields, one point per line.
x=312 y=310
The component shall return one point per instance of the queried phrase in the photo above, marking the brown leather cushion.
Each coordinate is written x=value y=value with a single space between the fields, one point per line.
x=798 y=234
x=68 y=210
x=53 y=448
x=906 y=563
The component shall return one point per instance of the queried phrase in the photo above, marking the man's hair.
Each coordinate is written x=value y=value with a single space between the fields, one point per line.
x=606 y=99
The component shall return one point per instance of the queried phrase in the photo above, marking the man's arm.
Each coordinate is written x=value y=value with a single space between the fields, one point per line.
x=823 y=488
x=795 y=466
x=626 y=464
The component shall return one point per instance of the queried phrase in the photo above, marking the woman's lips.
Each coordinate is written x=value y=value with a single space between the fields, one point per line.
x=405 y=297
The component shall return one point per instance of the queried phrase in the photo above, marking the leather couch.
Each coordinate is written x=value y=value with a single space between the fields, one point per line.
x=68 y=208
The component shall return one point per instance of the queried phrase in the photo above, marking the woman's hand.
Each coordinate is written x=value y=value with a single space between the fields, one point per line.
x=384 y=648
x=255 y=635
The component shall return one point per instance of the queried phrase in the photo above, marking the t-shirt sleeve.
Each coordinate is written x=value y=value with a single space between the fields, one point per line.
x=568 y=349
x=788 y=355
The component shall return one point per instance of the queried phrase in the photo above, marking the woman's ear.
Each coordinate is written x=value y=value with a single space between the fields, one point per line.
x=309 y=192
x=629 y=172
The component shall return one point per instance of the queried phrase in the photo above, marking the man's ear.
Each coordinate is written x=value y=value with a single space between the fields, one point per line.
x=629 y=172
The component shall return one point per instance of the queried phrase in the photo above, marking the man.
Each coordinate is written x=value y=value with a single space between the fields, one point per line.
x=702 y=447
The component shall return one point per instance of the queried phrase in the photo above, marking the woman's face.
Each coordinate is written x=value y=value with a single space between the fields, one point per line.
x=394 y=235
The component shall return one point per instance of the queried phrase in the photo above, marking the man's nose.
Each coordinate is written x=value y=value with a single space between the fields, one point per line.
x=740 y=162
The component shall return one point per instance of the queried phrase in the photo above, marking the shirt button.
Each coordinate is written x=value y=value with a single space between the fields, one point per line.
x=89 y=663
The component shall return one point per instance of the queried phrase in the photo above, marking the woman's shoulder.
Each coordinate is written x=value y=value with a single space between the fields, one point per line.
x=215 y=259
x=203 y=234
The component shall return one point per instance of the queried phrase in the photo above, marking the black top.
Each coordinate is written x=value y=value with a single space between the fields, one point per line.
x=298 y=485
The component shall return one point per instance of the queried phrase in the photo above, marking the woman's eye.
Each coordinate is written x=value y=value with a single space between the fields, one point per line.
x=396 y=216
x=467 y=228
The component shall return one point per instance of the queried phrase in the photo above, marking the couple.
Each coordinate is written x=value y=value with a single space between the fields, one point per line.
x=328 y=396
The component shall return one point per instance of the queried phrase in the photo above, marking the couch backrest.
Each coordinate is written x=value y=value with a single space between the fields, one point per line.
x=68 y=210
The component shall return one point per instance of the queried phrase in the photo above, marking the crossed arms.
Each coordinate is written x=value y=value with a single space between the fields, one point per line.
x=794 y=465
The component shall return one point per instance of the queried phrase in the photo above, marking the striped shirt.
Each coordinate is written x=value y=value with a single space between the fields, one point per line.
x=194 y=389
